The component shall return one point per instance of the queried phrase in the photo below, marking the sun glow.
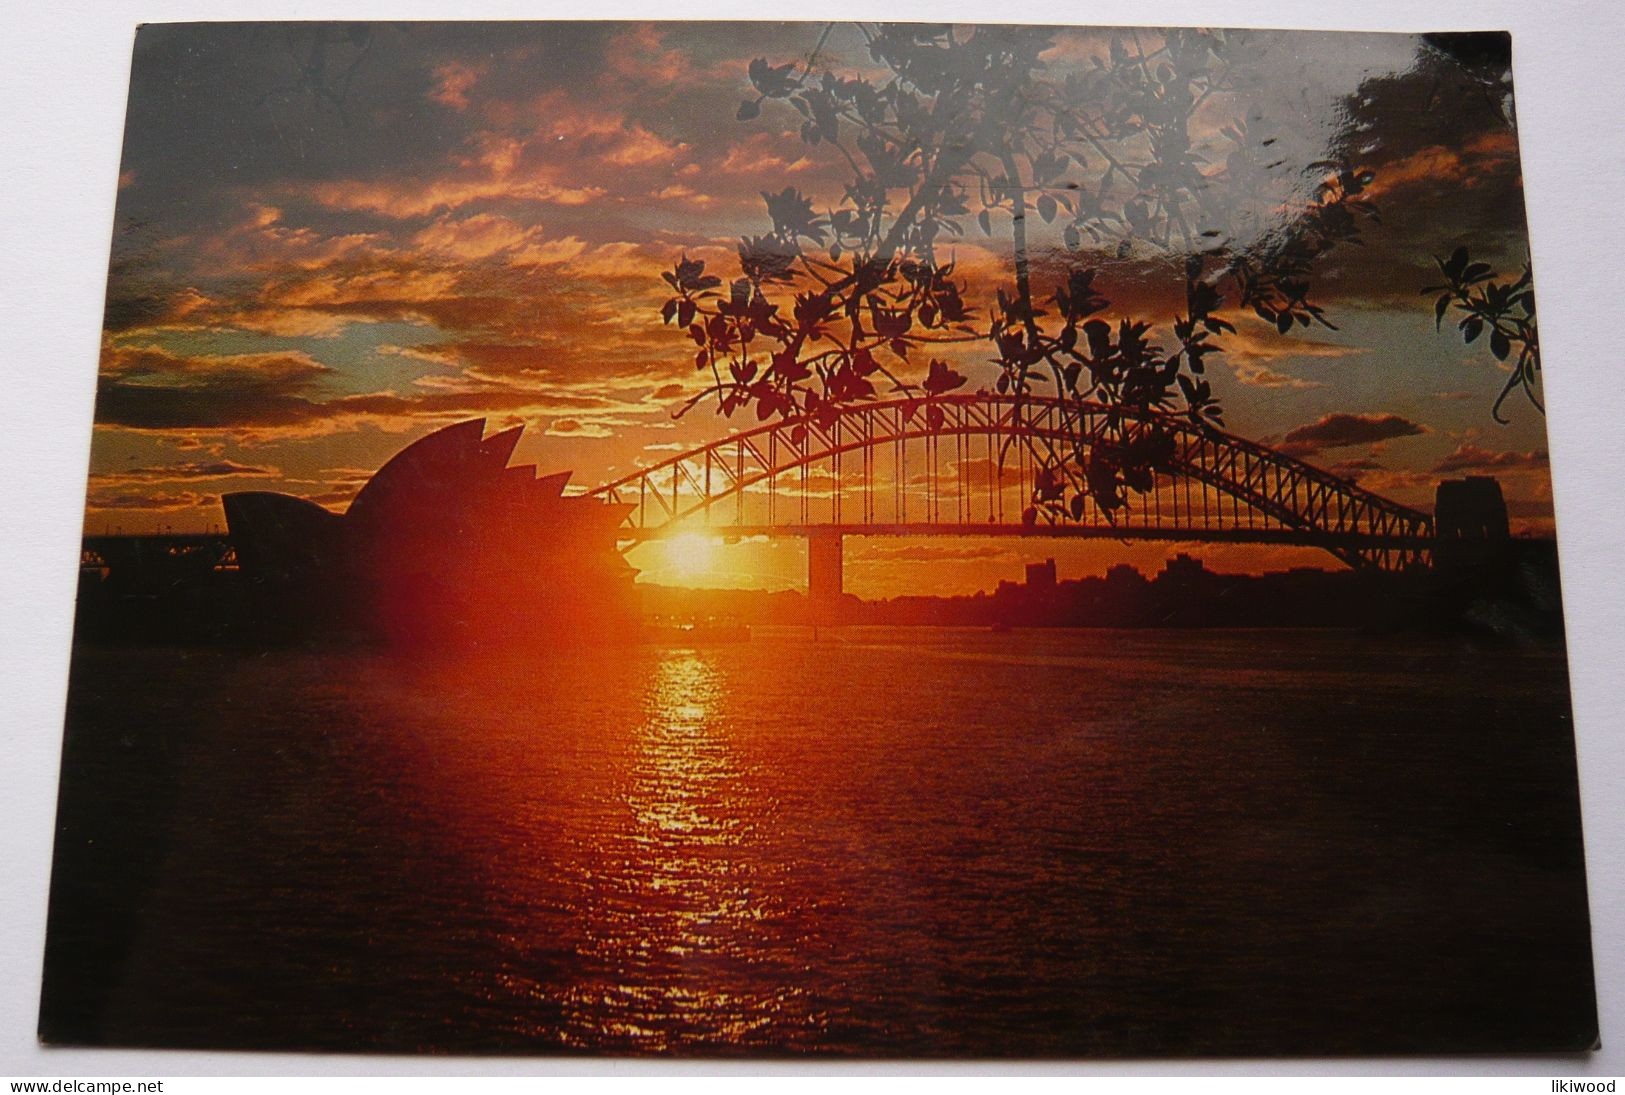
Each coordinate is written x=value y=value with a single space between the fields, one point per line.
x=692 y=554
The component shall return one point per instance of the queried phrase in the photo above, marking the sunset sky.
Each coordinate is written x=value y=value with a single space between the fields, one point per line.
x=331 y=240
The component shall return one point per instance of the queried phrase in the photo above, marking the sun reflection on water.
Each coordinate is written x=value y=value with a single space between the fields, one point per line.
x=682 y=919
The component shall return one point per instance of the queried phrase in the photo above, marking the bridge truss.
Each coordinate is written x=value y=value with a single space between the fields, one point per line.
x=967 y=465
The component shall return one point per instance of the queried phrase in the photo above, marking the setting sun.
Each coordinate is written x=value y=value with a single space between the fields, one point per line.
x=692 y=554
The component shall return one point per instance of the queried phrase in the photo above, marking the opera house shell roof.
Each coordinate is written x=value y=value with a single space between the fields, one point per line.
x=445 y=541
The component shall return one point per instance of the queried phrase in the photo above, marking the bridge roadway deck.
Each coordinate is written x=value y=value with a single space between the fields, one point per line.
x=1038 y=531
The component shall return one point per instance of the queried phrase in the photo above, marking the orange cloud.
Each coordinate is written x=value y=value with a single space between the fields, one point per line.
x=683 y=195
x=548 y=164
x=476 y=237
x=1468 y=457
x=1436 y=165
x=410 y=199
x=103 y=501
x=1251 y=351
x=764 y=155
x=453 y=81
x=570 y=427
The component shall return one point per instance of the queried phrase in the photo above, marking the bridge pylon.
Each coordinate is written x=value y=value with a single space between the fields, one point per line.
x=824 y=584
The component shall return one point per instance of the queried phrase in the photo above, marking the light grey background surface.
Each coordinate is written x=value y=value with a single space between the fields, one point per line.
x=63 y=75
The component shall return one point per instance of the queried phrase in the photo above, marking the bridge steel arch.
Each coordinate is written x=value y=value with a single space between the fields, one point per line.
x=1216 y=487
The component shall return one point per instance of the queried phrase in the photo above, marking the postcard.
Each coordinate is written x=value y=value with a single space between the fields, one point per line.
x=838 y=540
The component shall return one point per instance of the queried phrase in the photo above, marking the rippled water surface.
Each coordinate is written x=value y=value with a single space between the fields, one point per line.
x=903 y=843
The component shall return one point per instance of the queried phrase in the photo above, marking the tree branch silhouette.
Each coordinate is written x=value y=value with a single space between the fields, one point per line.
x=971 y=125
x=1505 y=309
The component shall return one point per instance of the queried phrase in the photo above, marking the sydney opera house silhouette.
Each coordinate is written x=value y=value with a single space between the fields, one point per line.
x=446 y=542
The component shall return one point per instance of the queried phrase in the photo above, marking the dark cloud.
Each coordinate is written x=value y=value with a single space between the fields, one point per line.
x=277 y=404
x=248 y=103
x=133 y=304
x=1458 y=87
x=149 y=388
x=209 y=406
x=1333 y=431
x=161 y=473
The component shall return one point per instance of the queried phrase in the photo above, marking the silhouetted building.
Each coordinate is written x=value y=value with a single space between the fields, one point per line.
x=1124 y=576
x=1041 y=575
x=445 y=542
x=1184 y=570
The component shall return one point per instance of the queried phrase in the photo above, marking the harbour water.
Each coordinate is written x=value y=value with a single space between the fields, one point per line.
x=912 y=842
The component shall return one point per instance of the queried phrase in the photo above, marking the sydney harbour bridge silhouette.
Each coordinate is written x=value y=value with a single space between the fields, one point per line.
x=966 y=465
x=969 y=465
